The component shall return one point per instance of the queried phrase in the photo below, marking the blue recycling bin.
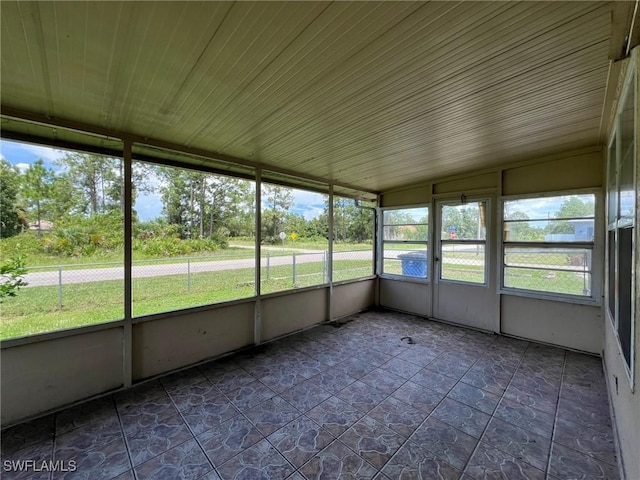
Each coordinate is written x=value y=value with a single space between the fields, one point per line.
x=414 y=264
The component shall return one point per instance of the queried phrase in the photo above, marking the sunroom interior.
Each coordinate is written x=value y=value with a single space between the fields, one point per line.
x=463 y=131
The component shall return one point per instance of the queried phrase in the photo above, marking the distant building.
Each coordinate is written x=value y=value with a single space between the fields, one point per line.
x=45 y=226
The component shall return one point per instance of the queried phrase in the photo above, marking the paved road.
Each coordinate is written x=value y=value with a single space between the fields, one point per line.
x=74 y=275
x=71 y=275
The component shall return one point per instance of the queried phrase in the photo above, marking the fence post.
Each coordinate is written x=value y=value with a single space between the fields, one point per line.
x=324 y=267
x=59 y=287
x=188 y=275
x=268 y=264
x=294 y=269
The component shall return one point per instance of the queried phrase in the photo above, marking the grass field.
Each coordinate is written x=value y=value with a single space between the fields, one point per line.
x=36 y=309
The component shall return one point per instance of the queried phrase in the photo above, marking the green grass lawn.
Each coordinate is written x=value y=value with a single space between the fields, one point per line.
x=36 y=309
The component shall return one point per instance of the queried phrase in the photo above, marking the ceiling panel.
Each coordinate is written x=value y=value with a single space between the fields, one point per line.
x=371 y=94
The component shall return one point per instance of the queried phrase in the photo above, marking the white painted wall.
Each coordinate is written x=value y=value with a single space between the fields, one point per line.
x=42 y=376
x=564 y=324
x=184 y=338
x=353 y=297
x=284 y=314
x=406 y=296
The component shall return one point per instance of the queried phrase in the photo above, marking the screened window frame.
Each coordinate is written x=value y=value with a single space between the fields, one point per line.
x=619 y=223
x=596 y=247
x=484 y=242
x=382 y=242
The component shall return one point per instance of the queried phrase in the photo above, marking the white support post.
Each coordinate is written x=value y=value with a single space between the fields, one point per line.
x=330 y=256
x=128 y=259
x=257 y=321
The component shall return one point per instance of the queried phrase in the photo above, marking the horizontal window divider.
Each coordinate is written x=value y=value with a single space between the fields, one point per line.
x=550 y=296
x=464 y=242
x=549 y=268
x=404 y=278
x=404 y=224
x=406 y=242
x=195 y=309
x=563 y=219
x=568 y=245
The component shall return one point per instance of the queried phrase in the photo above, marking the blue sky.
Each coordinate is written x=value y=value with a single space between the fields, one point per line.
x=148 y=206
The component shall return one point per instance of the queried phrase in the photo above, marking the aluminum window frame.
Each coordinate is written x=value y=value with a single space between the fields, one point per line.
x=382 y=242
x=596 y=247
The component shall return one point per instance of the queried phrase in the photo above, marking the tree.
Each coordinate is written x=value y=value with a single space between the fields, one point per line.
x=11 y=217
x=572 y=207
x=37 y=187
x=11 y=277
x=277 y=201
x=522 y=231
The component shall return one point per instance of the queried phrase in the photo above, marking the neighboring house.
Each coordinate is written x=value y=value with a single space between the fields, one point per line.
x=45 y=226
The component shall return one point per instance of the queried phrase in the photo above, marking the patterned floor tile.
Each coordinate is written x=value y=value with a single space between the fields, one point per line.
x=305 y=396
x=528 y=418
x=249 y=395
x=384 y=381
x=217 y=367
x=182 y=379
x=226 y=440
x=398 y=416
x=231 y=380
x=29 y=433
x=373 y=357
x=271 y=415
x=309 y=367
x=474 y=397
x=595 y=441
x=139 y=394
x=212 y=412
x=522 y=444
x=335 y=415
x=13 y=469
x=332 y=380
x=184 y=462
x=462 y=417
x=281 y=379
x=372 y=441
x=414 y=462
x=529 y=392
x=495 y=384
x=91 y=435
x=354 y=367
x=261 y=461
x=194 y=395
x=361 y=396
x=419 y=397
x=100 y=410
x=337 y=461
x=489 y=463
x=146 y=415
x=568 y=463
x=445 y=366
x=445 y=442
x=152 y=441
x=421 y=356
x=104 y=460
x=300 y=440
x=402 y=368
x=434 y=381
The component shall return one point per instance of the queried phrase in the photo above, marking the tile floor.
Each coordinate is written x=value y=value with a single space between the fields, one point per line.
x=352 y=401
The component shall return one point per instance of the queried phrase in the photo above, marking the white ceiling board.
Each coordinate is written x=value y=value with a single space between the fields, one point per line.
x=370 y=94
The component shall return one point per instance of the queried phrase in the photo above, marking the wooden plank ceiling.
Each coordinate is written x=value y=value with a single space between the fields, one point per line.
x=373 y=94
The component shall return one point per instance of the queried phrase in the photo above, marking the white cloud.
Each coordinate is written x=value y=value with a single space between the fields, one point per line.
x=22 y=166
x=45 y=153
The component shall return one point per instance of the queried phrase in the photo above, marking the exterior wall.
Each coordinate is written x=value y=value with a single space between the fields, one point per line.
x=182 y=339
x=42 y=376
x=625 y=397
x=405 y=296
x=575 y=326
x=282 y=314
x=411 y=196
x=353 y=297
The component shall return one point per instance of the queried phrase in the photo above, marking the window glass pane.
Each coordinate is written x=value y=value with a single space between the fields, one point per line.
x=406 y=216
x=295 y=242
x=63 y=234
x=192 y=238
x=612 y=189
x=464 y=222
x=611 y=273
x=407 y=259
x=556 y=270
x=568 y=218
x=406 y=233
x=353 y=240
x=625 y=296
x=463 y=263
